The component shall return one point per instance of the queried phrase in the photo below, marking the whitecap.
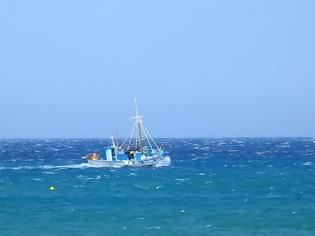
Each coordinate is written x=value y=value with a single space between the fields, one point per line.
x=166 y=161
x=182 y=179
x=22 y=168
x=154 y=227
x=37 y=179
x=201 y=174
x=49 y=172
x=308 y=163
x=141 y=187
x=74 y=166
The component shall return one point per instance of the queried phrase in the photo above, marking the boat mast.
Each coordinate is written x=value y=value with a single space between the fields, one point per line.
x=138 y=119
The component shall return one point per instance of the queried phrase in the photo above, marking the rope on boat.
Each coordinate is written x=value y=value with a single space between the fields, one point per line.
x=130 y=138
x=139 y=123
x=145 y=129
x=146 y=135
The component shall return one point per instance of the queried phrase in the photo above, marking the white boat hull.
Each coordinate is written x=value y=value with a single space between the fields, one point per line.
x=158 y=161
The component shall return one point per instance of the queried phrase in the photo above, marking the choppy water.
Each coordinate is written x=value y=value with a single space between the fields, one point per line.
x=214 y=187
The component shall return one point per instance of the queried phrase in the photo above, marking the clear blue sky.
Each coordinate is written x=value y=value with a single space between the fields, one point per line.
x=198 y=68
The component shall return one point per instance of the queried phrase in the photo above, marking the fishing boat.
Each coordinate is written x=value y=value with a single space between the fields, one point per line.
x=139 y=150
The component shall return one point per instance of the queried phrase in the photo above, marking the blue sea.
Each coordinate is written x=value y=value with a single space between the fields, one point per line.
x=226 y=186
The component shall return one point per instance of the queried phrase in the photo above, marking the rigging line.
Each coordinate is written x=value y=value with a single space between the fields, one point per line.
x=146 y=135
x=131 y=135
x=152 y=138
x=134 y=126
x=124 y=142
x=136 y=139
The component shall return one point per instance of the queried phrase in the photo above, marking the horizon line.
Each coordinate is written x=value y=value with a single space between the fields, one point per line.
x=201 y=137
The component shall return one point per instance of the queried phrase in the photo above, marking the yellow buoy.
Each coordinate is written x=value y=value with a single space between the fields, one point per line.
x=51 y=188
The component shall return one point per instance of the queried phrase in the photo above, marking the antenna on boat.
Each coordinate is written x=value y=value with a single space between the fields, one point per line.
x=136 y=105
x=138 y=120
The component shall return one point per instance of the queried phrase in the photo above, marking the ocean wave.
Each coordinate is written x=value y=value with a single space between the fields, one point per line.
x=164 y=162
x=154 y=227
x=49 y=167
x=308 y=163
